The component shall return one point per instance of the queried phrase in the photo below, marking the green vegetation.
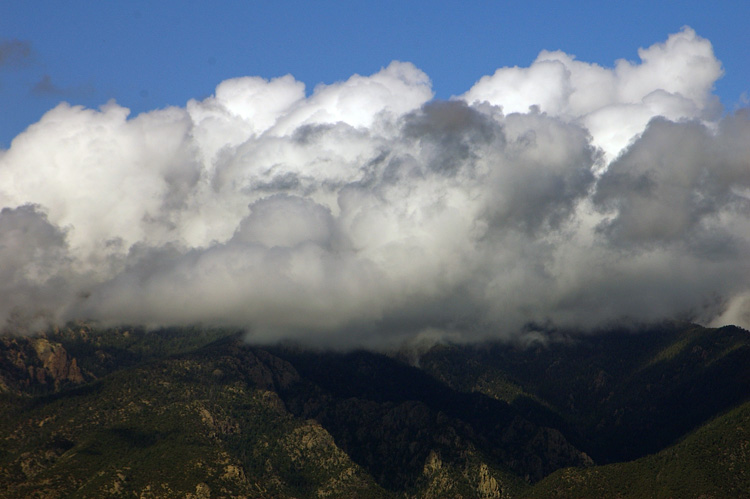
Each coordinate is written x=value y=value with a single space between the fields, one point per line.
x=616 y=396
x=710 y=462
x=197 y=413
x=184 y=424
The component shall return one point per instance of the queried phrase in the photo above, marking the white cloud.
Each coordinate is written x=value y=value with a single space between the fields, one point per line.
x=367 y=214
x=673 y=79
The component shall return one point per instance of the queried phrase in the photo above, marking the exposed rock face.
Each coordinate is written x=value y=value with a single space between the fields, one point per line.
x=488 y=488
x=56 y=363
x=411 y=432
x=202 y=491
x=35 y=363
x=438 y=481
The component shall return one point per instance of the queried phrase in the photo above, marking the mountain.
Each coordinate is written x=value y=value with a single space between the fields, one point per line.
x=710 y=462
x=198 y=413
x=618 y=396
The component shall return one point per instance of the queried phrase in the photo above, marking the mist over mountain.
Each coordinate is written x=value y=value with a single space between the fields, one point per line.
x=562 y=195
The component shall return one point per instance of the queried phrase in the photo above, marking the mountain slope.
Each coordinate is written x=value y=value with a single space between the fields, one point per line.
x=710 y=462
x=241 y=421
x=617 y=396
x=198 y=413
x=169 y=428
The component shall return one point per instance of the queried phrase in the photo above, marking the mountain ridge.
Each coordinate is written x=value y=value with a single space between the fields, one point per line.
x=198 y=412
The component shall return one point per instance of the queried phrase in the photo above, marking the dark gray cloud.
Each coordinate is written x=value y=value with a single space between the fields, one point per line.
x=451 y=132
x=34 y=274
x=675 y=183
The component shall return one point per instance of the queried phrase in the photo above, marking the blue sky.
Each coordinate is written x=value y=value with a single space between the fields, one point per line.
x=148 y=55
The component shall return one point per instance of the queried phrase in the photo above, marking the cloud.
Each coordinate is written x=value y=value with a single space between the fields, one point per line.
x=674 y=183
x=47 y=88
x=34 y=274
x=562 y=195
x=15 y=53
x=674 y=79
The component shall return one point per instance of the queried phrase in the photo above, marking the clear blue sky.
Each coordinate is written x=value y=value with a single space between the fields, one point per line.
x=148 y=55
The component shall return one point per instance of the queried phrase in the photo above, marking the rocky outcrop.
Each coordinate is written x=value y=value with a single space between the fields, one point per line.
x=438 y=482
x=488 y=486
x=409 y=431
x=57 y=365
x=36 y=364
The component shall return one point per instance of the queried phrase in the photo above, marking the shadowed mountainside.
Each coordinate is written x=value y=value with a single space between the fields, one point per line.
x=198 y=413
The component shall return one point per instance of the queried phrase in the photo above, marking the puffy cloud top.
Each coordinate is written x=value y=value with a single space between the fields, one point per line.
x=563 y=195
x=673 y=80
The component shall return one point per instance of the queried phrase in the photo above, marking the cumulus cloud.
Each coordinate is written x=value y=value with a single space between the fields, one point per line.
x=562 y=195
x=674 y=79
x=34 y=271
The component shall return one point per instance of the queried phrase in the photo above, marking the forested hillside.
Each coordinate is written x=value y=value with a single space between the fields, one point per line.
x=200 y=413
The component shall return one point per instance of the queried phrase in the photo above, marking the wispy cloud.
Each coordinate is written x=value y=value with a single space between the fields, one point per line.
x=15 y=53
x=47 y=88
